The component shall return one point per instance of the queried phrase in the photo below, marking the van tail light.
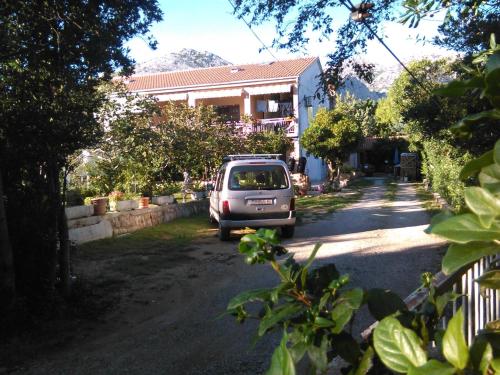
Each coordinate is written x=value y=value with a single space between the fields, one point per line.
x=292 y=204
x=225 y=208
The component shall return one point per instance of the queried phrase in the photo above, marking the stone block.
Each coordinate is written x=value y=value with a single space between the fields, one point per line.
x=91 y=233
x=163 y=200
x=76 y=212
x=84 y=222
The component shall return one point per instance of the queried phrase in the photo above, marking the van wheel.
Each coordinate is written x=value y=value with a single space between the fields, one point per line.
x=224 y=233
x=287 y=231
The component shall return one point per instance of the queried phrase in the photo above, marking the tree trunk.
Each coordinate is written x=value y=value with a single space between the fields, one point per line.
x=54 y=193
x=331 y=170
x=64 y=248
x=7 y=272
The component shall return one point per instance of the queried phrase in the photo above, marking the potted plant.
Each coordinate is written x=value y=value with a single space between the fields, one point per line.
x=99 y=203
x=198 y=191
x=163 y=193
x=119 y=201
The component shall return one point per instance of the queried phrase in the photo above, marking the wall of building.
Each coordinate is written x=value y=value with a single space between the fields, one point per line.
x=222 y=101
x=309 y=83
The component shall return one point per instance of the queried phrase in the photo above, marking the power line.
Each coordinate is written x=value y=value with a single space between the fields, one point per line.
x=352 y=8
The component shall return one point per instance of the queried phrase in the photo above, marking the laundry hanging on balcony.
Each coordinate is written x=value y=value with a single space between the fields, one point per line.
x=261 y=106
x=272 y=106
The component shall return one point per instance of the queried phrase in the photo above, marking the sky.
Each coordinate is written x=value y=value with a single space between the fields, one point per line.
x=208 y=25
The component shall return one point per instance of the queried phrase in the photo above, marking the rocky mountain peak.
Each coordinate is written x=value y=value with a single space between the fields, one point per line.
x=182 y=60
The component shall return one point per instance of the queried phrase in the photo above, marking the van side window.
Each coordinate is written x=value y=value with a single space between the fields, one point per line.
x=220 y=180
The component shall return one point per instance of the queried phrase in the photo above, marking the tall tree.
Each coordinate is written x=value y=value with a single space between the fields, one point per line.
x=54 y=56
x=331 y=136
x=295 y=19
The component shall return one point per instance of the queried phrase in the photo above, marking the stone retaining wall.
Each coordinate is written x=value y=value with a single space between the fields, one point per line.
x=93 y=228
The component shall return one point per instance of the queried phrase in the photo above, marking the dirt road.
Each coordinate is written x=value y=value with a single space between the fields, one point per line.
x=169 y=323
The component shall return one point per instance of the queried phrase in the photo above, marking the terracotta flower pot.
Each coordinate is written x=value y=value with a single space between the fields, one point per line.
x=144 y=202
x=99 y=206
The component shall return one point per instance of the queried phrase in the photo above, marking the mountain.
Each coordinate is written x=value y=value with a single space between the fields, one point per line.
x=182 y=60
x=360 y=90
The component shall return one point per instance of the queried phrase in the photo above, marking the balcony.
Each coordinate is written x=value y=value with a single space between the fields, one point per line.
x=290 y=127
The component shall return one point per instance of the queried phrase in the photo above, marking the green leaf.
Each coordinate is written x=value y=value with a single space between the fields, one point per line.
x=443 y=299
x=459 y=255
x=249 y=296
x=323 y=322
x=436 y=219
x=465 y=228
x=496 y=365
x=489 y=178
x=465 y=124
x=318 y=355
x=353 y=298
x=399 y=348
x=341 y=315
x=455 y=348
x=490 y=279
x=382 y=303
x=474 y=166
x=310 y=260
x=481 y=354
x=281 y=361
x=276 y=315
x=484 y=204
x=297 y=351
x=366 y=362
x=433 y=367
x=496 y=152
x=346 y=347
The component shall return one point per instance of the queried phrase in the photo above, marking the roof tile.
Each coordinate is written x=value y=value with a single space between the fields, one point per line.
x=219 y=75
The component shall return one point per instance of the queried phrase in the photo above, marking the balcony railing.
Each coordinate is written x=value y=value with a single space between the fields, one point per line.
x=273 y=124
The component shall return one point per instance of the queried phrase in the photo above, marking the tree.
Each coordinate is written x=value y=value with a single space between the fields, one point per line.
x=331 y=136
x=54 y=57
x=361 y=112
x=295 y=19
x=268 y=142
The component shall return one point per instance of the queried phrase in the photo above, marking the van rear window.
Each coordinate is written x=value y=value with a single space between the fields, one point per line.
x=258 y=177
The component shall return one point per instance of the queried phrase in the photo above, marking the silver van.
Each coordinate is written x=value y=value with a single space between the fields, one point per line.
x=253 y=191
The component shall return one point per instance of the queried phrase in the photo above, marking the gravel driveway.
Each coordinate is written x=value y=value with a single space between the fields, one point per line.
x=177 y=328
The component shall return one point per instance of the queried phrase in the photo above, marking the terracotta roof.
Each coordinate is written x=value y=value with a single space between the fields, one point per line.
x=219 y=75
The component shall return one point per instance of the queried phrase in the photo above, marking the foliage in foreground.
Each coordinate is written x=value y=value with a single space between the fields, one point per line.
x=315 y=309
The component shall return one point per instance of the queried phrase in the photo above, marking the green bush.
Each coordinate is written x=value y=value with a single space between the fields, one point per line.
x=441 y=165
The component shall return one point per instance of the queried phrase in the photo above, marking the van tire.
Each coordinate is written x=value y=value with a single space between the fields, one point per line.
x=224 y=233
x=287 y=231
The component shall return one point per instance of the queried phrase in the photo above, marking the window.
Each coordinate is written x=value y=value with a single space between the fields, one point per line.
x=228 y=112
x=220 y=179
x=258 y=177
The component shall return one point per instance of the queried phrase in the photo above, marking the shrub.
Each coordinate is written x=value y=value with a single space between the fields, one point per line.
x=165 y=188
x=441 y=164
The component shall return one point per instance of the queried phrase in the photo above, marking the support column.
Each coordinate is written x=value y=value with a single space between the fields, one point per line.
x=247 y=104
x=191 y=100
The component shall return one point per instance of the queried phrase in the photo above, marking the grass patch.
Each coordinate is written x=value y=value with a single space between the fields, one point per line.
x=427 y=200
x=311 y=208
x=176 y=233
x=392 y=188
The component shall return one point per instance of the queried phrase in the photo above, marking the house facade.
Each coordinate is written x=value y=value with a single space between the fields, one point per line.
x=253 y=97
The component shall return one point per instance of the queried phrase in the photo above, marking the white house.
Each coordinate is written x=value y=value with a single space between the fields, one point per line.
x=281 y=94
